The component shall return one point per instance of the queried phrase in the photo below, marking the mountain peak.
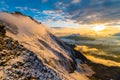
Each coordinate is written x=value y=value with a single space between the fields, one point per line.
x=52 y=51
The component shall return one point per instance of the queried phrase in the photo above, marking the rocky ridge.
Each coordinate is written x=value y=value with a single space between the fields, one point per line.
x=19 y=63
x=36 y=53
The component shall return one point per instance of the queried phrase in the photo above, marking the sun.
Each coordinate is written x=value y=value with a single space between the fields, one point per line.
x=98 y=28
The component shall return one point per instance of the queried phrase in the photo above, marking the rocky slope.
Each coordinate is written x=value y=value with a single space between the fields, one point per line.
x=18 y=63
x=49 y=58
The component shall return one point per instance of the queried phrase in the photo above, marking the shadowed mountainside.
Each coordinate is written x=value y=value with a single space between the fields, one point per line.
x=103 y=72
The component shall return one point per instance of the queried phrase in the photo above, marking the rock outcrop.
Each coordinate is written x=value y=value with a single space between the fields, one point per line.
x=43 y=56
x=19 y=63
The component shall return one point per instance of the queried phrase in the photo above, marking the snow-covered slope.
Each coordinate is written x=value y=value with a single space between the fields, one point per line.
x=18 y=63
x=35 y=37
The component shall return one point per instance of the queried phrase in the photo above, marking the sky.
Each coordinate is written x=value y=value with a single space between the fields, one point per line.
x=67 y=13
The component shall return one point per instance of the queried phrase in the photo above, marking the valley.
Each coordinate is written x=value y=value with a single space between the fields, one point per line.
x=103 y=52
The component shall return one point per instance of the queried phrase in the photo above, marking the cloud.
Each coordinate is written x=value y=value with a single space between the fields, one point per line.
x=22 y=8
x=76 y=1
x=43 y=1
x=33 y=9
x=56 y=18
x=89 y=11
x=54 y=15
x=79 y=11
x=60 y=23
x=27 y=8
x=3 y=6
x=86 y=11
x=113 y=23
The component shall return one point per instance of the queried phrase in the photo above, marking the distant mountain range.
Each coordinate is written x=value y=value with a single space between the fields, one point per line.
x=118 y=34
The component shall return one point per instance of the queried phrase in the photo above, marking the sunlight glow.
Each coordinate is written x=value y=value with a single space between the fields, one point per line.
x=98 y=28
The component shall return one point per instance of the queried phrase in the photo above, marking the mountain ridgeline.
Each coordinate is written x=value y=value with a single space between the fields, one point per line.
x=29 y=51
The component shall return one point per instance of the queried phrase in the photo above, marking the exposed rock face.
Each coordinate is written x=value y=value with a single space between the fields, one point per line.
x=18 y=63
x=38 y=39
x=43 y=57
x=2 y=30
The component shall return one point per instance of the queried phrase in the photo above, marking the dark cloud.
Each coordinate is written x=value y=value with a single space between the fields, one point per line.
x=80 y=11
x=87 y=11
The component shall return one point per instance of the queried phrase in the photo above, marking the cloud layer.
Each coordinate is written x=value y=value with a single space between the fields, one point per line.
x=77 y=11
